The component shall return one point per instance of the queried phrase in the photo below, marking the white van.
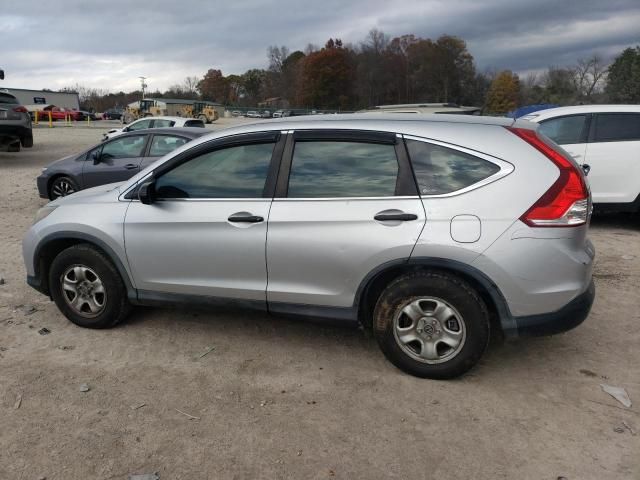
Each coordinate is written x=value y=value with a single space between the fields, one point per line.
x=605 y=140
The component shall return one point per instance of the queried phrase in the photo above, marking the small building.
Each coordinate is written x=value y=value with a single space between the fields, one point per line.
x=45 y=97
x=174 y=105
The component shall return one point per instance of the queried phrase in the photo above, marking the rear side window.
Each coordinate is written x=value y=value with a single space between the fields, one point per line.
x=161 y=123
x=163 y=144
x=323 y=169
x=564 y=130
x=616 y=127
x=440 y=170
x=194 y=123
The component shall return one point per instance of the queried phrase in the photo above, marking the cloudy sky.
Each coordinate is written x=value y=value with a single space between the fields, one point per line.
x=109 y=44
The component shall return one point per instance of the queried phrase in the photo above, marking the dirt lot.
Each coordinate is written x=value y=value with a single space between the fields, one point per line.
x=278 y=398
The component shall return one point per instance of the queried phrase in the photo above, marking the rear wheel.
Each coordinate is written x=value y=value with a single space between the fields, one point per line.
x=431 y=325
x=61 y=187
x=27 y=141
x=87 y=288
x=204 y=118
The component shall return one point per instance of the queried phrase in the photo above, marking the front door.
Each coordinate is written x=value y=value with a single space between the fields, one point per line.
x=206 y=232
x=114 y=161
x=346 y=203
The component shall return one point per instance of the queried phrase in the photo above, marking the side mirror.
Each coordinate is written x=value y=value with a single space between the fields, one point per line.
x=95 y=156
x=147 y=192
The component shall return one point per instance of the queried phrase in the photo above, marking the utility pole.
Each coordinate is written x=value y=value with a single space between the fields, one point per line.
x=144 y=85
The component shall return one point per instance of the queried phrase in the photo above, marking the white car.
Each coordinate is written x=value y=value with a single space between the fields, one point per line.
x=154 y=122
x=605 y=140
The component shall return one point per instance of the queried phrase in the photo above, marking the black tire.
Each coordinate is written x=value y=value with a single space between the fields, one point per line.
x=61 y=187
x=27 y=141
x=465 y=302
x=116 y=305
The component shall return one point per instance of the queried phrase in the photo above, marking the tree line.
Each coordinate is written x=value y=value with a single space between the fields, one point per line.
x=405 y=69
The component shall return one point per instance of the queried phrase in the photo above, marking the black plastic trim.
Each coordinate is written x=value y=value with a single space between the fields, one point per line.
x=568 y=317
x=153 y=298
x=630 y=207
x=319 y=312
x=84 y=237
x=338 y=135
x=504 y=314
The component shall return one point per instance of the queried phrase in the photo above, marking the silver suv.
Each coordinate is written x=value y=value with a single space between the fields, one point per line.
x=431 y=231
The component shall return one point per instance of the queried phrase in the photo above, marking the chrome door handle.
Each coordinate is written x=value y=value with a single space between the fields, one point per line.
x=403 y=217
x=245 y=218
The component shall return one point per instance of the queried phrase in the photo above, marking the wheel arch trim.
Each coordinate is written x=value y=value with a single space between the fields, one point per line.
x=82 y=237
x=506 y=319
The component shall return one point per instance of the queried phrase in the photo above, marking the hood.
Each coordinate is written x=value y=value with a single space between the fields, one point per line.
x=102 y=193
x=63 y=161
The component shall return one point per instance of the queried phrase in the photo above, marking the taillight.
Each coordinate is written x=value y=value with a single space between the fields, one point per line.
x=566 y=203
x=20 y=109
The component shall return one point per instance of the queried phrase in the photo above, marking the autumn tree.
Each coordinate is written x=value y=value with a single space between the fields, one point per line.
x=504 y=93
x=624 y=77
x=214 y=86
x=327 y=77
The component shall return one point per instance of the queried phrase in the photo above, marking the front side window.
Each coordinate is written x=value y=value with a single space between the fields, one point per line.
x=124 y=147
x=564 y=130
x=322 y=169
x=617 y=127
x=232 y=172
x=141 y=125
x=163 y=144
x=441 y=170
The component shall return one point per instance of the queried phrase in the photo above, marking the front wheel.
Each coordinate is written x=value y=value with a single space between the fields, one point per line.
x=431 y=325
x=61 y=187
x=87 y=288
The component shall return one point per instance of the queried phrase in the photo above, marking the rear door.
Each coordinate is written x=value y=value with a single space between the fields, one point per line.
x=346 y=203
x=613 y=153
x=569 y=131
x=117 y=160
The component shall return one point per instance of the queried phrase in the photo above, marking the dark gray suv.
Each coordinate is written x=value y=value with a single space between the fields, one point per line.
x=15 y=124
x=112 y=161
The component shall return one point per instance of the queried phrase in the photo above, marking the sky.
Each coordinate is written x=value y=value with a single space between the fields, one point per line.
x=108 y=45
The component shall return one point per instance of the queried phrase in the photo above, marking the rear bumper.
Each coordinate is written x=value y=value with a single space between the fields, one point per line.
x=21 y=132
x=568 y=317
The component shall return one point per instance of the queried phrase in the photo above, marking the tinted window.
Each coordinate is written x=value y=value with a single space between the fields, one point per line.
x=194 y=123
x=8 y=99
x=234 y=172
x=342 y=169
x=442 y=170
x=564 y=130
x=161 y=123
x=141 y=125
x=125 y=147
x=617 y=127
x=163 y=144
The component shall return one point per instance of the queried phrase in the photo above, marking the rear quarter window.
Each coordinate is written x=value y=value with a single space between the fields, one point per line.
x=440 y=170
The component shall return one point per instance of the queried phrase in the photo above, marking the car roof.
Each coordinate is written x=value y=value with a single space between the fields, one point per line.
x=317 y=121
x=559 y=111
x=191 y=132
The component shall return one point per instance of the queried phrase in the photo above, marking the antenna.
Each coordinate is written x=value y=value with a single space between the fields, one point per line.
x=143 y=85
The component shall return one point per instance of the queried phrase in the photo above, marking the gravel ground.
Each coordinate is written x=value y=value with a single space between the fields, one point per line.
x=277 y=398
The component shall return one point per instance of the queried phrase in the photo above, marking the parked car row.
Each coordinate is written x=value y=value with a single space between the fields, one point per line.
x=428 y=230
